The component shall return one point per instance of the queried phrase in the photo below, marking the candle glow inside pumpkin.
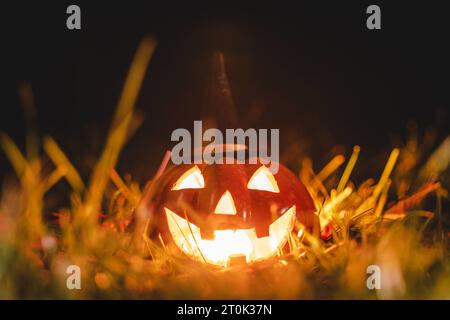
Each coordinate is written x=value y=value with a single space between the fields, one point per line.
x=227 y=244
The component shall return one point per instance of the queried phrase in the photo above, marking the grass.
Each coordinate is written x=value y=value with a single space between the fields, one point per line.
x=381 y=222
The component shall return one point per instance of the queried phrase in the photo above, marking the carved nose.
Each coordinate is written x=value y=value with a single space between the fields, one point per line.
x=225 y=204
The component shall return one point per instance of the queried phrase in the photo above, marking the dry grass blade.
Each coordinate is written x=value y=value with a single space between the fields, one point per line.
x=122 y=118
x=61 y=161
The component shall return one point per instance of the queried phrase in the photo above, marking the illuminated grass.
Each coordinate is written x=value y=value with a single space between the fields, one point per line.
x=361 y=225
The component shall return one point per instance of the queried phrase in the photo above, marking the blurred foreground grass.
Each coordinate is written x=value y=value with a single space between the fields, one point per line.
x=381 y=222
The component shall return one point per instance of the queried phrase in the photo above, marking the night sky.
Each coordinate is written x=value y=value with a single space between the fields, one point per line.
x=313 y=70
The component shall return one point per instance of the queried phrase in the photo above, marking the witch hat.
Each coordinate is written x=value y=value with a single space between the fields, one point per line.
x=219 y=103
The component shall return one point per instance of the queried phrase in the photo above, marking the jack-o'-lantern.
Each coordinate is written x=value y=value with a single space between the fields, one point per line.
x=226 y=214
x=231 y=213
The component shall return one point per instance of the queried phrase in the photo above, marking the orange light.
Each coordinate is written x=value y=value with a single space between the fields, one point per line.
x=229 y=243
x=263 y=180
x=191 y=179
x=226 y=204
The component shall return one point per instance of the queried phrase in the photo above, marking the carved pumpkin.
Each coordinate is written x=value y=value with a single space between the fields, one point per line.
x=225 y=214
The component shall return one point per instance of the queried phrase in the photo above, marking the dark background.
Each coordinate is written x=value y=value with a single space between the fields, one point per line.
x=313 y=70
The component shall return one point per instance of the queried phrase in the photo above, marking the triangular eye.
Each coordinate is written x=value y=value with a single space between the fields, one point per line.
x=191 y=179
x=264 y=180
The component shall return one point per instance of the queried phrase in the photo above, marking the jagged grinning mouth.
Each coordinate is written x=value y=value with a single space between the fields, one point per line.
x=229 y=243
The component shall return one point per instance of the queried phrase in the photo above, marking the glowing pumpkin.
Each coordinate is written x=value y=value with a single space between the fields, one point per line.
x=225 y=214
